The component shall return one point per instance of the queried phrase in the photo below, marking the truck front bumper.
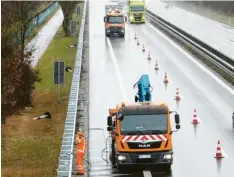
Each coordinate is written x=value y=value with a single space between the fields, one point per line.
x=133 y=19
x=115 y=31
x=145 y=160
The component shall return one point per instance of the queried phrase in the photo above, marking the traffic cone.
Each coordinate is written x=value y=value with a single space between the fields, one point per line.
x=138 y=43
x=165 y=79
x=143 y=49
x=177 y=95
x=195 y=120
x=135 y=37
x=219 y=151
x=156 y=66
x=149 y=57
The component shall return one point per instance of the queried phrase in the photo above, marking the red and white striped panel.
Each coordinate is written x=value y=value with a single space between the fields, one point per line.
x=140 y=138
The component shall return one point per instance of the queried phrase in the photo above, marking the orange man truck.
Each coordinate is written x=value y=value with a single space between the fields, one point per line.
x=114 y=20
x=141 y=135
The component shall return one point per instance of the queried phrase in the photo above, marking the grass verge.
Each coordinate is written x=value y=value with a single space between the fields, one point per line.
x=32 y=148
x=199 y=56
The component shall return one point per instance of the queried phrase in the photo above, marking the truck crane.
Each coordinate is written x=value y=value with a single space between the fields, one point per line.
x=144 y=89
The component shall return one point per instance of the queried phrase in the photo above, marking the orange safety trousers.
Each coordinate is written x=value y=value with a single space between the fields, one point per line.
x=80 y=152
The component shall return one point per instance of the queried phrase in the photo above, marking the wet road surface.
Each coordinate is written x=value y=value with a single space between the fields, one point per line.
x=117 y=63
x=217 y=35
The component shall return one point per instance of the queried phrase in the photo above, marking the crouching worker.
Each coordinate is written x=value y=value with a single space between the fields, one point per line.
x=80 y=152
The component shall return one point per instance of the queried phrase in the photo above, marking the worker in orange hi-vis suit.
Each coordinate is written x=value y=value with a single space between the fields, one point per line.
x=80 y=152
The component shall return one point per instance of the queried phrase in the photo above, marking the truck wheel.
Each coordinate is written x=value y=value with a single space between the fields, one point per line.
x=167 y=168
x=120 y=169
x=107 y=35
x=122 y=35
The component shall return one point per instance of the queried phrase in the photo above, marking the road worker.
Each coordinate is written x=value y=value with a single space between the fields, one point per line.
x=80 y=152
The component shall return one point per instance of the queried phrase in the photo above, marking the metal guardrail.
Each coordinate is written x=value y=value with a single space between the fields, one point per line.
x=222 y=61
x=66 y=154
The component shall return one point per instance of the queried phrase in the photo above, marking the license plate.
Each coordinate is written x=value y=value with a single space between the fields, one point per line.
x=144 y=156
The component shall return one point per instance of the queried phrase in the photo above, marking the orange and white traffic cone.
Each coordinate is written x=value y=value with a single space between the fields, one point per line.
x=135 y=37
x=195 y=120
x=219 y=151
x=138 y=43
x=177 y=95
x=156 y=66
x=149 y=57
x=165 y=79
x=143 y=48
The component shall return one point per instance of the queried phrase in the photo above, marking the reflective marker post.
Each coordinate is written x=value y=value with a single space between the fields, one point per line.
x=58 y=75
x=73 y=30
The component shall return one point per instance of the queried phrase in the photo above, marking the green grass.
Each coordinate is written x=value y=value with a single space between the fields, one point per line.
x=57 y=51
x=32 y=148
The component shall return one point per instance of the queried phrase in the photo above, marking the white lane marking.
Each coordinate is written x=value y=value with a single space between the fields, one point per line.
x=225 y=29
x=117 y=71
x=147 y=174
x=222 y=83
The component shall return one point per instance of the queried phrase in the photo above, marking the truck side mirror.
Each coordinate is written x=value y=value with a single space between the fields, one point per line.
x=126 y=19
x=177 y=118
x=120 y=117
x=177 y=126
x=109 y=121
x=109 y=129
x=104 y=19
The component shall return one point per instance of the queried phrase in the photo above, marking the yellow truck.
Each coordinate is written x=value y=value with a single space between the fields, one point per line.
x=136 y=11
x=141 y=135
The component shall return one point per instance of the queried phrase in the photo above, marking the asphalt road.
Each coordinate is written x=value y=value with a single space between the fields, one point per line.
x=117 y=63
x=215 y=34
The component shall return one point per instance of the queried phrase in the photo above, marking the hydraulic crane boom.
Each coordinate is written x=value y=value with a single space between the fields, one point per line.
x=144 y=89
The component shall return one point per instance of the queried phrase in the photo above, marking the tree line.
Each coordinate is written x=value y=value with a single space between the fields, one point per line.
x=18 y=76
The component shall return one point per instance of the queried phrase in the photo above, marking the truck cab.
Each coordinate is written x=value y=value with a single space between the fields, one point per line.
x=136 y=11
x=114 y=20
x=141 y=135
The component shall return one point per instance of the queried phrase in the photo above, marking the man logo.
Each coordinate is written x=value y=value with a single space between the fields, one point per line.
x=144 y=145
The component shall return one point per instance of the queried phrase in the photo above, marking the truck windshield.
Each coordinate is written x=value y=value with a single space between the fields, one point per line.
x=137 y=8
x=117 y=19
x=144 y=124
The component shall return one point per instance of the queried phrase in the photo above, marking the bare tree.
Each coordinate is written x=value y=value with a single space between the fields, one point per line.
x=18 y=77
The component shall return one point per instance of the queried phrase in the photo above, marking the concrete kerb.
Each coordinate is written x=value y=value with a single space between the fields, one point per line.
x=65 y=160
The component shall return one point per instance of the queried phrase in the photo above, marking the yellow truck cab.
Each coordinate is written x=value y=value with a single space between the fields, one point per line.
x=136 y=11
x=141 y=135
